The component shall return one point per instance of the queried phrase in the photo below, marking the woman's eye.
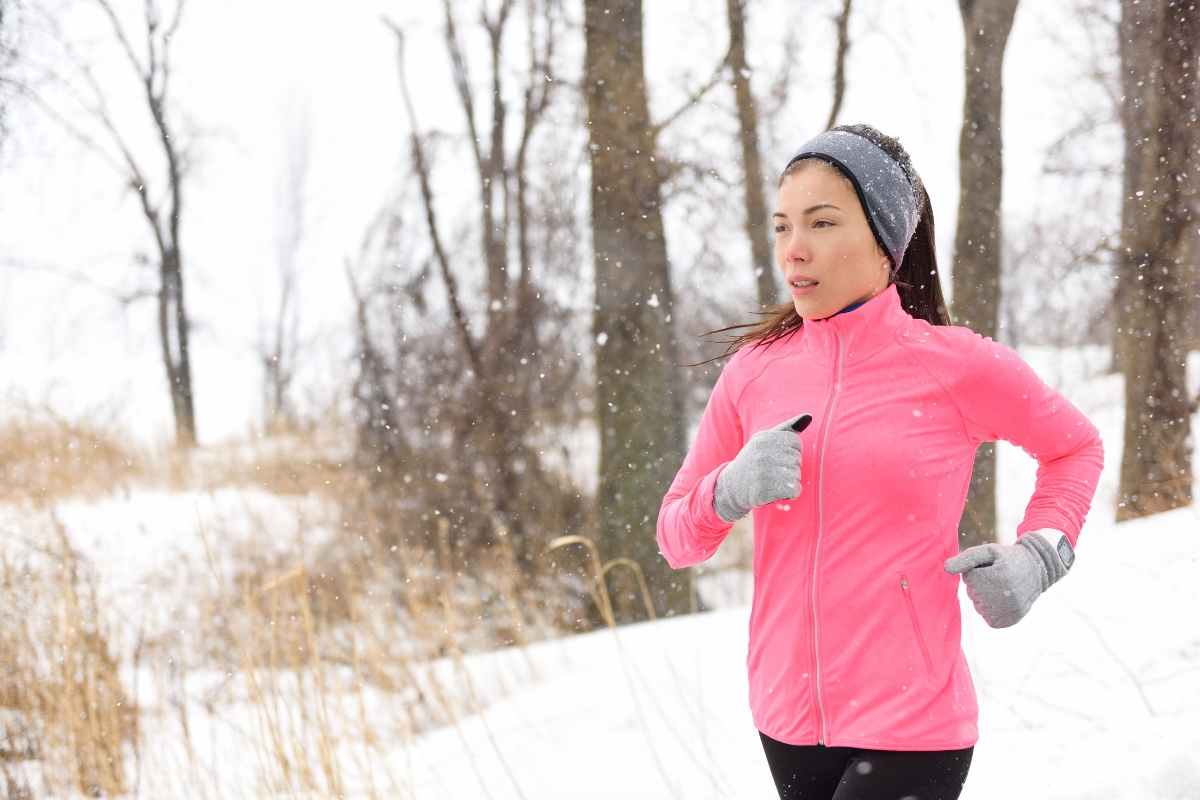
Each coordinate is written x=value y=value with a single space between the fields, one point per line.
x=818 y=222
x=779 y=228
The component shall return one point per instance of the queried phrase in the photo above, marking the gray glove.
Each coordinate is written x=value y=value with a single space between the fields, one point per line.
x=766 y=468
x=1003 y=580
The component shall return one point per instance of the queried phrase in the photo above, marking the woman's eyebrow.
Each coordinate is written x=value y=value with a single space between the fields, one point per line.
x=808 y=210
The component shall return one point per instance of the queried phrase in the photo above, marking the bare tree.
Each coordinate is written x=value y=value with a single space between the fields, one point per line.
x=10 y=14
x=380 y=431
x=977 y=242
x=278 y=342
x=639 y=398
x=842 y=21
x=748 y=119
x=752 y=172
x=498 y=405
x=159 y=187
x=1059 y=264
x=1157 y=280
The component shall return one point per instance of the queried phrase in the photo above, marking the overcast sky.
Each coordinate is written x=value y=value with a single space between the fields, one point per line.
x=248 y=74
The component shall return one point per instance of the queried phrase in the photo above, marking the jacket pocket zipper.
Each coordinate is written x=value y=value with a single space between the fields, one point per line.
x=912 y=615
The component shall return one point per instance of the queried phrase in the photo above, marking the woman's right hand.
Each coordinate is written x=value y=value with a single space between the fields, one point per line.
x=767 y=468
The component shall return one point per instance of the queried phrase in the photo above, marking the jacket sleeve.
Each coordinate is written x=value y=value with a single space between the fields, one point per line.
x=689 y=529
x=1001 y=397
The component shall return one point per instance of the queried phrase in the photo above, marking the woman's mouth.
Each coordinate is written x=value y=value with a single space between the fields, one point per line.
x=802 y=287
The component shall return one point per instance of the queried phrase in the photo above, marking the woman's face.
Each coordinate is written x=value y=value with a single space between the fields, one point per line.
x=822 y=233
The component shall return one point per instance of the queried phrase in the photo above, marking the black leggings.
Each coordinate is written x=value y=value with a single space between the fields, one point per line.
x=816 y=772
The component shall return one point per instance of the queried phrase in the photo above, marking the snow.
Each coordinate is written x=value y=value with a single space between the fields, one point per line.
x=1093 y=684
x=158 y=552
x=1095 y=694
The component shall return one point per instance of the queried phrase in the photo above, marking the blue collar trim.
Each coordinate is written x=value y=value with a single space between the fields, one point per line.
x=850 y=307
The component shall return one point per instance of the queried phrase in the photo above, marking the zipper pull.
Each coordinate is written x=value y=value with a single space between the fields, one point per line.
x=903 y=582
x=801 y=423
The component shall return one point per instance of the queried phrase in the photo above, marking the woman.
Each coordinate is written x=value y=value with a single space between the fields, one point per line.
x=847 y=423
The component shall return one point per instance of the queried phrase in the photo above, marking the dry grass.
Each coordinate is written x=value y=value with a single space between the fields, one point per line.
x=45 y=457
x=343 y=667
x=67 y=717
x=289 y=463
x=324 y=659
x=328 y=679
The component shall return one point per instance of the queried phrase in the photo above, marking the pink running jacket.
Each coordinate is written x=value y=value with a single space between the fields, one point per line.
x=854 y=635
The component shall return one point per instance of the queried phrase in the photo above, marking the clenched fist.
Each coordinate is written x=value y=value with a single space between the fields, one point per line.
x=767 y=468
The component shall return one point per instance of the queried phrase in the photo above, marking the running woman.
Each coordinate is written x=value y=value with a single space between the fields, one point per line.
x=847 y=424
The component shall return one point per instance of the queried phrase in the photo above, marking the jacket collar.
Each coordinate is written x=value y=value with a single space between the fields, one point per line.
x=859 y=332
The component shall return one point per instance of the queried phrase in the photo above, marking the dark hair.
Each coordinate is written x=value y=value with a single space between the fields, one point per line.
x=916 y=278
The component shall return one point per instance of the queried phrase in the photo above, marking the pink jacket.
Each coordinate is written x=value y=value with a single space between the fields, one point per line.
x=855 y=630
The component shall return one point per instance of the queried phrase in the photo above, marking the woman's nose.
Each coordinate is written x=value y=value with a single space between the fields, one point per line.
x=796 y=247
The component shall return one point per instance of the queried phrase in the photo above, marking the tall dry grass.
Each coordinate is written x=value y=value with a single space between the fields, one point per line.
x=318 y=661
x=338 y=667
x=69 y=724
x=45 y=457
x=326 y=682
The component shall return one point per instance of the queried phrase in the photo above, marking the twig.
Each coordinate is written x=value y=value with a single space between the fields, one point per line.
x=1133 y=678
x=695 y=97
x=460 y=319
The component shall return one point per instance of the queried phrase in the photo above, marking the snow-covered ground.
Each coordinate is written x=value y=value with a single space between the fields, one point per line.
x=1096 y=694
x=157 y=553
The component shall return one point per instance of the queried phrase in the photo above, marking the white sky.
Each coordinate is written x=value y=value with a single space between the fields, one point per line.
x=247 y=72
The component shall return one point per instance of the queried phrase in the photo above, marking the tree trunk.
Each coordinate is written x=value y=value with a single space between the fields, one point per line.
x=839 y=63
x=978 y=240
x=639 y=400
x=173 y=343
x=1159 y=50
x=752 y=175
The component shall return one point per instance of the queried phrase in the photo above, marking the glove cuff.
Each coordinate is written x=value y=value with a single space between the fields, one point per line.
x=725 y=506
x=1047 y=558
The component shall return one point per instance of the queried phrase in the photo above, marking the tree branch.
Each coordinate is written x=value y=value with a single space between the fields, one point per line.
x=73 y=130
x=462 y=82
x=167 y=36
x=135 y=176
x=536 y=99
x=121 y=37
x=460 y=318
x=839 y=63
x=695 y=97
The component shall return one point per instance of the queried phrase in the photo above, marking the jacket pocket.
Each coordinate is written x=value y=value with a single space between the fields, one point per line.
x=916 y=623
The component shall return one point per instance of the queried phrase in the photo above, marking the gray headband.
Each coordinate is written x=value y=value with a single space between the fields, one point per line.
x=883 y=188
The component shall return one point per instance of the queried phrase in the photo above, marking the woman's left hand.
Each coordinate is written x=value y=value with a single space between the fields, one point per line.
x=1003 y=580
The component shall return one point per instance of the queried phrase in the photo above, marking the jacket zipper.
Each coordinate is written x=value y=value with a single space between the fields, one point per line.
x=822 y=734
x=912 y=614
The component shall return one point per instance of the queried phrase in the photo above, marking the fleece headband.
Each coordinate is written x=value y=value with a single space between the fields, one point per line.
x=883 y=188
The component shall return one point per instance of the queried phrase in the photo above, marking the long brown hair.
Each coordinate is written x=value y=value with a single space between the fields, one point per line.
x=916 y=279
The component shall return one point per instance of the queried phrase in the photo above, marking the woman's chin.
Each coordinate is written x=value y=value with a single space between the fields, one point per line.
x=807 y=309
